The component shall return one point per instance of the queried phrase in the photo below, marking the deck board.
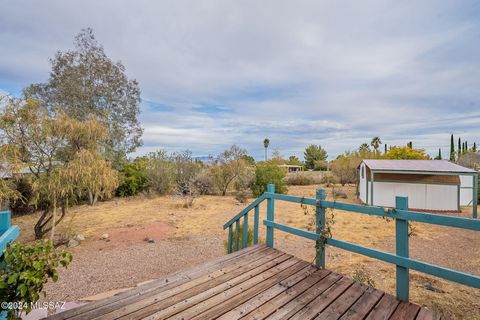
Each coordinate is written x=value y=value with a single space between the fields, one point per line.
x=254 y=283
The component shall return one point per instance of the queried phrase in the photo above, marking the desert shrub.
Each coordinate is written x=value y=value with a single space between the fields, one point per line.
x=245 y=179
x=320 y=165
x=228 y=167
x=133 y=179
x=242 y=196
x=328 y=180
x=265 y=173
x=345 y=168
x=362 y=276
x=160 y=172
x=26 y=270
x=299 y=179
x=239 y=235
x=203 y=183
x=185 y=171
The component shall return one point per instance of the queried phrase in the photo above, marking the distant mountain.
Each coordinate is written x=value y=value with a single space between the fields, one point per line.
x=204 y=159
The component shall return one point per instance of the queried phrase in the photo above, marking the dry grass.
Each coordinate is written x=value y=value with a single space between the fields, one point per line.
x=448 y=247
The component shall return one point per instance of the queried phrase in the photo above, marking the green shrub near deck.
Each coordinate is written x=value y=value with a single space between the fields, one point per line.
x=266 y=173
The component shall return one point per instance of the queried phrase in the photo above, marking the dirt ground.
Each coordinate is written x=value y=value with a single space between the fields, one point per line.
x=184 y=237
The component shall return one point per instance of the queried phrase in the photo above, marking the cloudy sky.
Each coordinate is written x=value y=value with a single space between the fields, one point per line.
x=215 y=73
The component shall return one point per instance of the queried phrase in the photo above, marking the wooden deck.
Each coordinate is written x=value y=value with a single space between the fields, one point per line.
x=254 y=283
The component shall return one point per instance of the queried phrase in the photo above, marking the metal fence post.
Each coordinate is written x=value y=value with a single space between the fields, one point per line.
x=401 y=241
x=320 y=220
x=270 y=214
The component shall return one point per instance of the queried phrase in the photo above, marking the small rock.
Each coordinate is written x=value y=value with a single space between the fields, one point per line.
x=104 y=236
x=149 y=240
x=429 y=286
x=72 y=243
x=79 y=237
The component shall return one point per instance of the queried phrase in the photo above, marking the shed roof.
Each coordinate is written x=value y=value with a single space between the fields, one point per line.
x=416 y=165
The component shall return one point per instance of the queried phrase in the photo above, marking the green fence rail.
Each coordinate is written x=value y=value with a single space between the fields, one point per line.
x=400 y=214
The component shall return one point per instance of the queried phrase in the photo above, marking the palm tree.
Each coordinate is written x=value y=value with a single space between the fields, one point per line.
x=266 y=143
x=376 y=142
x=364 y=147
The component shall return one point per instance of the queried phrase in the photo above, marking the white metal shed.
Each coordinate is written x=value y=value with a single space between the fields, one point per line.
x=433 y=185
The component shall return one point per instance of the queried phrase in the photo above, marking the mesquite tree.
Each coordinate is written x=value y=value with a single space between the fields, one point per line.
x=61 y=154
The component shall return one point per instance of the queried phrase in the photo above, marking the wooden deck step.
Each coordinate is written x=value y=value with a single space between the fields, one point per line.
x=254 y=283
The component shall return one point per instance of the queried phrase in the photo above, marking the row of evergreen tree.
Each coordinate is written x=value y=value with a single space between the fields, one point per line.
x=461 y=149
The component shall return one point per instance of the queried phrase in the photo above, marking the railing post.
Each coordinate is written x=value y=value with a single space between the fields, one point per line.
x=255 y=224
x=475 y=195
x=229 y=244
x=245 y=230
x=270 y=214
x=320 y=224
x=401 y=241
x=237 y=240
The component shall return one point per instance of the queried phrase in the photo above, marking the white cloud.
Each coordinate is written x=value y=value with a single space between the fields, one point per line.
x=335 y=73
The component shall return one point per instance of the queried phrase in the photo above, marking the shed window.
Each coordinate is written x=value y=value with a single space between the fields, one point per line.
x=363 y=172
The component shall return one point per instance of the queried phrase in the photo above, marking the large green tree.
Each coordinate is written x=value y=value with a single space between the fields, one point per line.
x=84 y=82
x=314 y=153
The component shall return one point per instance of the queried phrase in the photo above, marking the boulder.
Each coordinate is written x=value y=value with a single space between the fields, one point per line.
x=72 y=243
x=79 y=237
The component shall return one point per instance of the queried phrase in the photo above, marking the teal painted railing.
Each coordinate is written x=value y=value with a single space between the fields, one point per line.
x=8 y=233
x=400 y=214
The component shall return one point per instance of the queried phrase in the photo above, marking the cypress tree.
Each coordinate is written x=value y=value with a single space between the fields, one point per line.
x=466 y=146
x=439 y=154
x=474 y=148
x=385 y=148
x=452 y=149
x=459 y=147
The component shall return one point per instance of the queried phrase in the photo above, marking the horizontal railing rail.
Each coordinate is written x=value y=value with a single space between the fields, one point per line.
x=8 y=233
x=393 y=213
x=400 y=214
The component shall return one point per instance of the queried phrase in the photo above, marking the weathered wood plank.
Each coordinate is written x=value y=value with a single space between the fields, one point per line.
x=172 y=302
x=236 y=296
x=162 y=284
x=425 y=314
x=363 y=305
x=290 y=294
x=318 y=304
x=405 y=311
x=305 y=298
x=153 y=303
x=342 y=303
x=268 y=295
x=384 y=308
x=255 y=283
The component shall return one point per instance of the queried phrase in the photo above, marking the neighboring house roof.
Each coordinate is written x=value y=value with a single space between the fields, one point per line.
x=416 y=165
x=289 y=166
